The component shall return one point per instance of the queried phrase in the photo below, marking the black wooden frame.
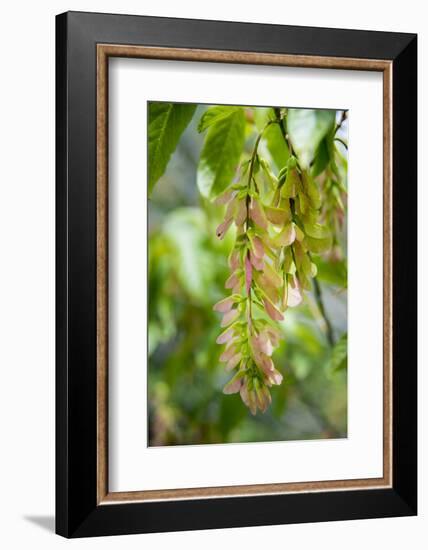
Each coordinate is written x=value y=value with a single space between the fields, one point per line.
x=77 y=512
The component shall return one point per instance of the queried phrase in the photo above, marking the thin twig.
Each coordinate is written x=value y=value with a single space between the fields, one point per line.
x=283 y=129
x=320 y=304
x=340 y=140
x=342 y=120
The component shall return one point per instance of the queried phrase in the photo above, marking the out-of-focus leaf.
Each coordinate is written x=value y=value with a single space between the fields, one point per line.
x=161 y=313
x=339 y=355
x=231 y=413
x=221 y=153
x=301 y=367
x=280 y=399
x=307 y=127
x=334 y=273
x=261 y=116
x=214 y=114
x=305 y=333
x=167 y=121
x=154 y=338
x=186 y=228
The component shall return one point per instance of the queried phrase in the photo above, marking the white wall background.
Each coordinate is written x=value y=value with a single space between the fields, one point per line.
x=27 y=272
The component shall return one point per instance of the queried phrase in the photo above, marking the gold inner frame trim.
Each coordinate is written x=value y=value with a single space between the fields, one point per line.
x=104 y=51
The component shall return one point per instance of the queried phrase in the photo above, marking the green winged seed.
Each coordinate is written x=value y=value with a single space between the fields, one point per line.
x=318 y=245
x=278 y=216
x=288 y=190
x=303 y=203
x=316 y=230
x=311 y=190
x=288 y=260
x=306 y=266
x=287 y=236
x=299 y=233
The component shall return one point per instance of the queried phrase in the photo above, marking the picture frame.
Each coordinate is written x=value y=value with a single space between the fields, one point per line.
x=84 y=44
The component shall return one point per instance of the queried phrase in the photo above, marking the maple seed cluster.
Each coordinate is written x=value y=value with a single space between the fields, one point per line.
x=270 y=267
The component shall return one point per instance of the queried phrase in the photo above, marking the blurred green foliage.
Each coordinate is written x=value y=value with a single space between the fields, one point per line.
x=187 y=271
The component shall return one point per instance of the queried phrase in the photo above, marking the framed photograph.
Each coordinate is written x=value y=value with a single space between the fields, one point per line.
x=236 y=274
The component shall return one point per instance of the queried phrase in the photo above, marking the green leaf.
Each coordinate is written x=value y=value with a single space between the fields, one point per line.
x=307 y=128
x=339 y=355
x=276 y=145
x=167 y=121
x=214 y=114
x=221 y=153
x=322 y=158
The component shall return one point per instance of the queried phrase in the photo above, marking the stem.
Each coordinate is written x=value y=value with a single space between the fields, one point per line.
x=340 y=140
x=247 y=204
x=250 y=313
x=320 y=304
x=284 y=133
x=254 y=153
x=342 y=120
x=249 y=308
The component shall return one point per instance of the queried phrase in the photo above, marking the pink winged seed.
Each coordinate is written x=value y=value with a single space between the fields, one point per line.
x=233 y=386
x=225 y=336
x=257 y=246
x=287 y=235
x=271 y=310
x=232 y=281
x=276 y=377
x=223 y=227
x=258 y=263
x=225 y=197
x=229 y=317
x=294 y=297
x=234 y=260
x=240 y=213
x=233 y=361
x=257 y=214
x=262 y=343
x=228 y=354
x=225 y=305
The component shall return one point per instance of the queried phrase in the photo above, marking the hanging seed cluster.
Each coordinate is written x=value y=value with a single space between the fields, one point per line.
x=270 y=268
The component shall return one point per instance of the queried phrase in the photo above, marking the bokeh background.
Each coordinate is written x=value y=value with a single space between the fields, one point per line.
x=187 y=271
